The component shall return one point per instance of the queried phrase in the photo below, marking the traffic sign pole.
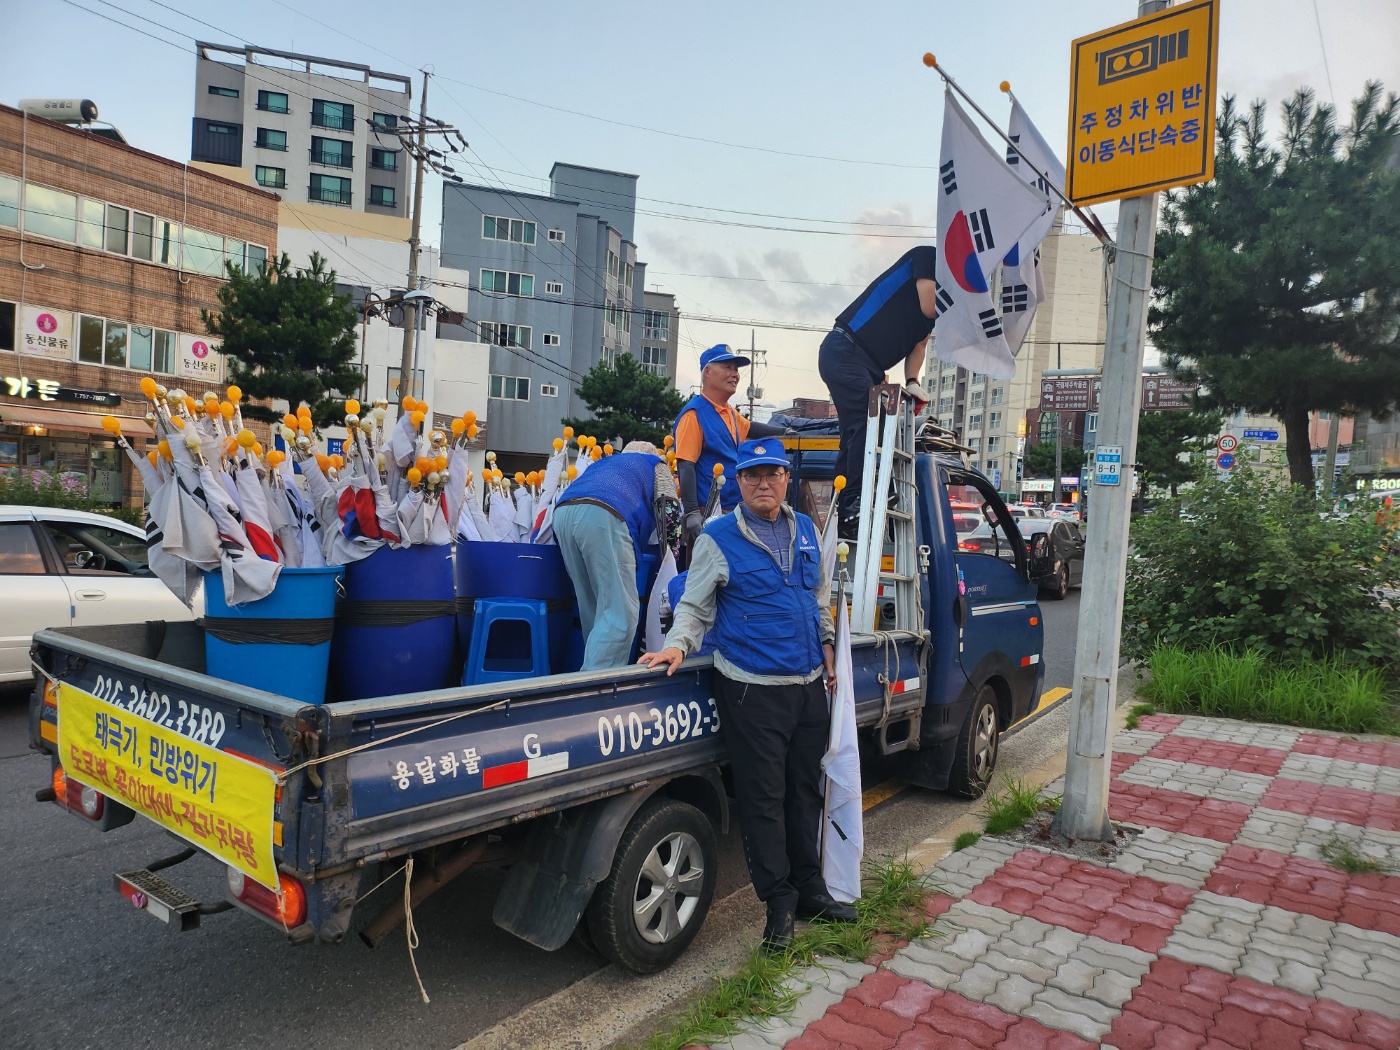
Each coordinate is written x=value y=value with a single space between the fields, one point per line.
x=1083 y=810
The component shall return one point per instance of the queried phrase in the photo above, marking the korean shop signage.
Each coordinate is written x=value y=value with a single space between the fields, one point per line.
x=49 y=390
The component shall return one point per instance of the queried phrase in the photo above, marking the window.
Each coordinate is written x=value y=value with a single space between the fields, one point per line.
x=610 y=312
x=553 y=287
x=167 y=242
x=498 y=228
x=386 y=120
x=204 y=253
x=229 y=92
x=556 y=235
x=627 y=272
x=114 y=345
x=656 y=324
x=7 y=326
x=654 y=360
x=551 y=339
x=522 y=284
x=383 y=196
x=334 y=153
x=1049 y=423
x=945 y=405
x=163 y=359
x=384 y=159
x=974 y=399
x=394 y=383
x=946 y=383
x=993 y=445
x=90 y=340
x=268 y=138
x=273 y=178
x=505 y=334
x=215 y=128
x=19 y=551
x=974 y=421
x=143 y=237
x=329 y=189
x=613 y=264
x=139 y=348
x=9 y=201
x=975 y=444
x=997 y=397
x=272 y=101
x=993 y=420
x=1091 y=423
x=118 y=225
x=626 y=321
x=339 y=116
x=92 y=217
x=548 y=390
x=608 y=357
x=50 y=213
x=510 y=388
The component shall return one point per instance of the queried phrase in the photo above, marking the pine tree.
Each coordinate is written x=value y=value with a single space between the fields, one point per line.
x=626 y=403
x=1163 y=437
x=1278 y=283
x=286 y=334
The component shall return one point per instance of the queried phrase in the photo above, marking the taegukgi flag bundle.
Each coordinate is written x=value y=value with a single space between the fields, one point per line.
x=1022 y=288
x=984 y=208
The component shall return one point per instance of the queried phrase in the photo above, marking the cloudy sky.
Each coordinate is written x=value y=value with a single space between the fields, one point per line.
x=786 y=151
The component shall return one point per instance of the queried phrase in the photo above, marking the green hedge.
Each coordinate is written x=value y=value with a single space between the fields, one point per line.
x=37 y=488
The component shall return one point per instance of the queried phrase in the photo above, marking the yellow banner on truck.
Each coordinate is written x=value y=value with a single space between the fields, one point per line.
x=217 y=801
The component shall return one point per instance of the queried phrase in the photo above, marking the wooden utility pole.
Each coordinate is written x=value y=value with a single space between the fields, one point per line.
x=410 y=310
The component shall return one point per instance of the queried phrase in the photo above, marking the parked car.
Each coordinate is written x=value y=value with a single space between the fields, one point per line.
x=1064 y=512
x=71 y=568
x=1063 y=545
x=1022 y=511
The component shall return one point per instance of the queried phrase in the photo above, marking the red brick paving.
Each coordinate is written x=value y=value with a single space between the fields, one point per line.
x=1371 y=902
x=1179 y=1005
x=1122 y=762
x=1348 y=805
x=1219 y=754
x=1372 y=754
x=1206 y=818
x=1124 y=909
x=1159 y=723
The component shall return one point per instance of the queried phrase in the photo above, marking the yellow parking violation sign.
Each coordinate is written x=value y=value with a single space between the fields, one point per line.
x=1142 y=105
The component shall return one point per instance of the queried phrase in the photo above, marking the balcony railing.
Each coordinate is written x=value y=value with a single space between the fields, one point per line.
x=328 y=195
x=332 y=158
x=333 y=121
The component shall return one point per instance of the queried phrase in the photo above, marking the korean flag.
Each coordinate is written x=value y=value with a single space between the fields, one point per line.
x=1022 y=288
x=983 y=210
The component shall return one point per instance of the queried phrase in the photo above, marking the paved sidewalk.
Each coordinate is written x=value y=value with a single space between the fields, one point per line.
x=1218 y=928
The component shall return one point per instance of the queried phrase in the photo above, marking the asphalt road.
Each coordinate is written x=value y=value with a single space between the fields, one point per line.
x=81 y=968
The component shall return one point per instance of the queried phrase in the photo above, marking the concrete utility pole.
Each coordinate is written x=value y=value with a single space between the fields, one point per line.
x=1083 y=811
x=410 y=310
x=1059 y=442
x=1329 y=465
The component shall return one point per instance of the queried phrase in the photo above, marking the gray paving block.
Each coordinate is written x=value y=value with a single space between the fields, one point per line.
x=978 y=982
x=931 y=972
x=1014 y=993
x=1084 y=1017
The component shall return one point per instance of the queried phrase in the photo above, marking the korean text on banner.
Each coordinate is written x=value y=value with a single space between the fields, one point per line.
x=218 y=802
x=1142 y=105
x=47 y=333
x=199 y=360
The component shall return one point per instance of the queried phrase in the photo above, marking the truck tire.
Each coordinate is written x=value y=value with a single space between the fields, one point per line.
x=649 y=908
x=975 y=758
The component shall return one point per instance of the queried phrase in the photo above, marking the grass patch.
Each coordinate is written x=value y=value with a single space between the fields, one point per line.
x=1015 y=804
x=1342 y=855
x=1323 y=693
x=967 y=838
x=1136 y=712
x=892 y=905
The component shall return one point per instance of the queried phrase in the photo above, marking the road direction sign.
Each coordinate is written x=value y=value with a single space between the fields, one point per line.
x=1225 y=460
x=1142 y=105
x=1227 y=443
x=1261 y=435
x=1108 y=463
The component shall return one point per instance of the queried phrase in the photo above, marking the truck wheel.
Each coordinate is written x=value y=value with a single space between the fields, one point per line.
x=976 y=757
x=652 y=903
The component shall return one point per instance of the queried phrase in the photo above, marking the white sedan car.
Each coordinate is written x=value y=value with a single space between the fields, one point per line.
x=71 y=568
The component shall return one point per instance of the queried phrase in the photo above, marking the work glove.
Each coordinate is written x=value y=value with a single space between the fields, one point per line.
x=917 y=393
x=693 y=525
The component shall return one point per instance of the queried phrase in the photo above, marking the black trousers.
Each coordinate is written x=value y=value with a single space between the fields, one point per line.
x=849 y=373
x=776 y=736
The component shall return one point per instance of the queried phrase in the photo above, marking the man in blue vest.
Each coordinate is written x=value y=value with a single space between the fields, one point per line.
x=756 y=576
x=888 y=323
x=601 y=523
x=709 y=431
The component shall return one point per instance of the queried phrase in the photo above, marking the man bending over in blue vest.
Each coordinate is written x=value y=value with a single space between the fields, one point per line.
x=708 y=431
x=601 y=523
x=756 y=576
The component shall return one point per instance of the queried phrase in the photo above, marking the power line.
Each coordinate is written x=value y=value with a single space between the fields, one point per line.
x=1317 y=17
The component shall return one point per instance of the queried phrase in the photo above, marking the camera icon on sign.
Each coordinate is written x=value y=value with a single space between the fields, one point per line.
x=1141 y=56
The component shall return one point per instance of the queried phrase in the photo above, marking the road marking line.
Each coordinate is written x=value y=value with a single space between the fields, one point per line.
x=873 y=796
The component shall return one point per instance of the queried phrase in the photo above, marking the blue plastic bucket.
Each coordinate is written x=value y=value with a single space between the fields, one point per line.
x=395 y=628
x=301 y=606
x=486 y=569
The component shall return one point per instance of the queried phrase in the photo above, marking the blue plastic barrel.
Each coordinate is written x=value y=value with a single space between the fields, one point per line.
x=485 y=569
x=395 y=629
x=290 y=662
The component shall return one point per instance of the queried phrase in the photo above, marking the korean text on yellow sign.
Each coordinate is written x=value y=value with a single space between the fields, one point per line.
x=218 y=802
x=1142 y=105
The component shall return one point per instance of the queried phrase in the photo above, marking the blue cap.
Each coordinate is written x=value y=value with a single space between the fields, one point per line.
x=717 y=354
x=759 y=451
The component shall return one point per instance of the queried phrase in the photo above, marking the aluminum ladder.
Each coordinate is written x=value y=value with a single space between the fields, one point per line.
x=889 y=470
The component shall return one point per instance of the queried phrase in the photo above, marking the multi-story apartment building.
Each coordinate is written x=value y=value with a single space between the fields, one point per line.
x=557 y=288
x=107 y=256
x=661 y=332
x=1068 y=332
x=313 y=129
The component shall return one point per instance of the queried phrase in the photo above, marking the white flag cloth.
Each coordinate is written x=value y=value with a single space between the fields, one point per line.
x=181 y=540
x=502 y=516
x=481 y=524
x=402 y=450
x=843 y=834
x=257 y=518
x=151 y=477
x=829 y=541
x=247 y=577
x=409 y=524
x=1022 y=286
x=655 y=637
x=458 y=467
x=524 y=513
x=466 y=523
x=983 y=209
x=543 y=531
x=309 y=529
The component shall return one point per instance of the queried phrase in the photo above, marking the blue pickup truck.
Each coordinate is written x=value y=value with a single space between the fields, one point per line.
x=601 y=792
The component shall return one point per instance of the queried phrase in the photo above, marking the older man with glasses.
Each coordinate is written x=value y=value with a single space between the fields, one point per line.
x=756 y=577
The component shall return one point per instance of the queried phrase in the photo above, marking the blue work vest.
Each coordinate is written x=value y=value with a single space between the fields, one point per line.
x=765 y=622
x=625 y=482
x=720 y=447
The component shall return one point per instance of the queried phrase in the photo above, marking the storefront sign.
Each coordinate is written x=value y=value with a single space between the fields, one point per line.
x=199 y=360
x=47 y=333
x=49 y=390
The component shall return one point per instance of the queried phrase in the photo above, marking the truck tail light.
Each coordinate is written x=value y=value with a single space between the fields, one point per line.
x=89 y=802
x=287 y=908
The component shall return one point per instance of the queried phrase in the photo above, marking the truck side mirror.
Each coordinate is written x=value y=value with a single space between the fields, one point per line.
x=1041 y=556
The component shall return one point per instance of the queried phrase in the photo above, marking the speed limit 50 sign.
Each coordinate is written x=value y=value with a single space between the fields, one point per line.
x=1227 y=443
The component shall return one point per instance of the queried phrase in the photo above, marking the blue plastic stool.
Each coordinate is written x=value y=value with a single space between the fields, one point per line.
x=511 y=656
